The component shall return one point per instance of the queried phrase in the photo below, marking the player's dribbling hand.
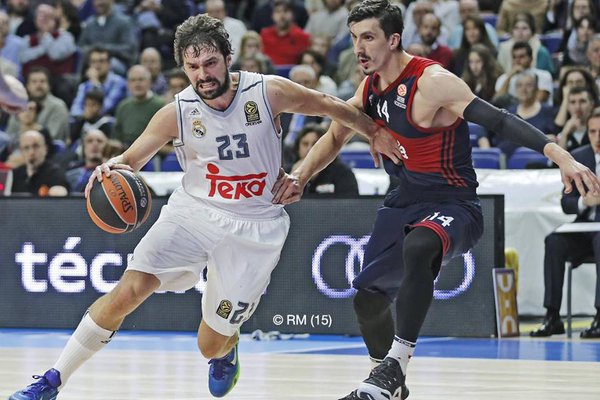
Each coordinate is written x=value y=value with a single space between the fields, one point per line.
x=104 y=169
x=287 y=189
x=383 y=142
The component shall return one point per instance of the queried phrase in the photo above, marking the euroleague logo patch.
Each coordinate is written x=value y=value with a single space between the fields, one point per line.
x=400 y=100
x=402 y=90
x=252 y=114
x=224 y=309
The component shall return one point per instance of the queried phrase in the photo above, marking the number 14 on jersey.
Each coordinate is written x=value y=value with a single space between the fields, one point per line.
x=446 y=221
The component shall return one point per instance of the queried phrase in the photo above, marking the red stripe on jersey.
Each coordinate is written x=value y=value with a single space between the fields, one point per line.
x=418 y=150
x=443 y=235
x=457 y=180
x=444 y=161
x=460 y=179
x=420 y=158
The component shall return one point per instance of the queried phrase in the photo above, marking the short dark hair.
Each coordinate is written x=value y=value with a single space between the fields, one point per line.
x=96 y=95
x=523 y=45
x=388 y=15
x=39 y=70
x=594 y=114
x=201 y=31
x=583 y=89
x=287 y=4
x=97 y=48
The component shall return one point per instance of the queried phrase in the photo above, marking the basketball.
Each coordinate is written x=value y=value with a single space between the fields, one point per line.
x=120 y=203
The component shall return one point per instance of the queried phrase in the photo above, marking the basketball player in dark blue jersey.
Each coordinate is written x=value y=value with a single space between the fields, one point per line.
x=434 y=214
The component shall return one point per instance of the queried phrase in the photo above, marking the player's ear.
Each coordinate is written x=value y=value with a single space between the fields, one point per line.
x=229 y=61
x=394 y=41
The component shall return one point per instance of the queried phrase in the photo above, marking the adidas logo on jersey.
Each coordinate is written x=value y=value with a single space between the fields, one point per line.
x=195 y=111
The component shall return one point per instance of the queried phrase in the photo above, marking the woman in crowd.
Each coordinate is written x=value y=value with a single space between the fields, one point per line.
x=578 y=9
x=575 y=53
x=336 y=179
x=251 y=46
x=474 y=32
x=523 y=30
x=481 y=71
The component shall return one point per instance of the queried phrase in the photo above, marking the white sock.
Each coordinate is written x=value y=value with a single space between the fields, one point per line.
x=87 y=339
x=402 y=350
x=375 y=362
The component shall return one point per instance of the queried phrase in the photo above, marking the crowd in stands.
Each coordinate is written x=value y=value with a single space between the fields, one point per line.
x=97 y=70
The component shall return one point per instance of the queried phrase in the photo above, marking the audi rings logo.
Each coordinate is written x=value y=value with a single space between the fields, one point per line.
x=355 y=255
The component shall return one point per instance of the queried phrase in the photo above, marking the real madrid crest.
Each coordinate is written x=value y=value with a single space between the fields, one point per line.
x=198 y=129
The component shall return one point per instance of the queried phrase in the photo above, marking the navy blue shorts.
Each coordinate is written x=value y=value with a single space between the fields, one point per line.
x=459 y=225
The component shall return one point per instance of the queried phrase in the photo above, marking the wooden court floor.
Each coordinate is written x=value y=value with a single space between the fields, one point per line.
x=175 y=370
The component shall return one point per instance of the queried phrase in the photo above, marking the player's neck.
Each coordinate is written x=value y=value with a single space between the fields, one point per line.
x=392 y=69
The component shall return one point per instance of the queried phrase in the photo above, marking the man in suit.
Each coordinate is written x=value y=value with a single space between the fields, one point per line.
x=575 y=247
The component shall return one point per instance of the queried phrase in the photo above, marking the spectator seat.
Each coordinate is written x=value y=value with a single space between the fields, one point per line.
x=523 y=156
x=486 y=158
x=170 y=163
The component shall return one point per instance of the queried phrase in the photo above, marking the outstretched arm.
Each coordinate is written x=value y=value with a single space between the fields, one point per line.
x=286 y=96
x=447 y=90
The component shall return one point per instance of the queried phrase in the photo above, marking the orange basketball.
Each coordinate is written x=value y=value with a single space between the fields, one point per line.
x=120 y=203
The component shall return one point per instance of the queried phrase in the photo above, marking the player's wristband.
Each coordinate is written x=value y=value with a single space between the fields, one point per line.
x=505 y=124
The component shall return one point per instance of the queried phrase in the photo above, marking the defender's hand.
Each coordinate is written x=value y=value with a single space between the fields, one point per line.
x=287 y=189
x=383 y=142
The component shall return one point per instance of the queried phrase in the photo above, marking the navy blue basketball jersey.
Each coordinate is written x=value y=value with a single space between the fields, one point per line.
x=436 y=162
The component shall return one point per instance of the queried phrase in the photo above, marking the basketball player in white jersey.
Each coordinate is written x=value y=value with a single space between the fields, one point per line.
x=225 y=131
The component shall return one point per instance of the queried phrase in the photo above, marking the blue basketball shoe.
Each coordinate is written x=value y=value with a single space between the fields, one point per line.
x=46 y=388
x=223 y=373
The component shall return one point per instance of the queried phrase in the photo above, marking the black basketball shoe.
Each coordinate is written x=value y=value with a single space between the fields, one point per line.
x=351 y=396
x=385 y=382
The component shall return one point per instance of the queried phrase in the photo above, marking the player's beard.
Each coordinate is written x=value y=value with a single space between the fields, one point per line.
x=216 y=92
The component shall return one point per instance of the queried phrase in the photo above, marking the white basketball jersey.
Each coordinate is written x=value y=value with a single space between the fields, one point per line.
x=231 y=158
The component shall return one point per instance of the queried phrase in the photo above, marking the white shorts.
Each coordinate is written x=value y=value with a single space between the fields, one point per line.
x=240 y=254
